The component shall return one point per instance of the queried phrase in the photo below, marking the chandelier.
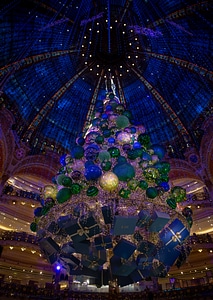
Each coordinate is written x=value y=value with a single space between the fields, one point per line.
x=111 y=212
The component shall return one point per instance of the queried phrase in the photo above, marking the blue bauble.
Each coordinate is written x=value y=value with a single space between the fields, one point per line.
x=133 y=129
x=136 y=145
x=165 y=186
x=62 y=160
x=111 y=140
x=80 y=141
x=104 y=116
x=158 y=150
x=88 y=164
x=108 y=107
x=93 y=172
x=38 y=212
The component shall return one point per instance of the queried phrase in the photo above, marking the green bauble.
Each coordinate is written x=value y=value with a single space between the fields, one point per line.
x=144 y=140
x=132 y=154
x=124 y=171
x=132 y=184
x=164 y=178
x=124 y=193
x=104 y=155
x=151 y=174
x=33 y=227
x=92 y=191
x=114 y=152
x=151 y=192
x=45 y=210
x=163 y=167
x=143 y=184
x=121 y=160
x=99 y=139
x=128 y=114
x=77 y=152
x=178 y=193
x=122 y=121
x=171 y=202
x=75 y=188
x=107 y=133
x=67 y=181
x=60 y=178
x=106 y=165
x=63 y=195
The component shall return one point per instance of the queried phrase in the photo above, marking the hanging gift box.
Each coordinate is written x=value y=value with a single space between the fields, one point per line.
x=167 y=256
x=82 y=247
x=148 y=248
x=68 y=248
x=107 y=214
x=143 y=218
x=83 y=228
x=124 y=249
x=124 y=280
x=136 y=275
x=95 y=259
x=48 y=246
x=121 y=268
x=174 y=234
x=103 y=242
x=50 y=249
x=124 y=225
x=64 y=221
x=159 y=270
x=158 y=221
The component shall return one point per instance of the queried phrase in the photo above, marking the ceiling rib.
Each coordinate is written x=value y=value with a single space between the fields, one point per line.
x=166 y=107
x=50 y=103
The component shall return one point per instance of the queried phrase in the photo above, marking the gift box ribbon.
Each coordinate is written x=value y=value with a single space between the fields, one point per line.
x=83 y=230
x=176 y=236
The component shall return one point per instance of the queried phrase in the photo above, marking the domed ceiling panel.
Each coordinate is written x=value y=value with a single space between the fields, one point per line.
x=58 y=57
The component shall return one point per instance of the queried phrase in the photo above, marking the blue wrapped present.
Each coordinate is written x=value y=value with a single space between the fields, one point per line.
x=136 y=275
x=159 y=270
x=143 y=261
x=64 y=221
x=147 y=248
x=124 y=249
x=174 y=234
x=103 y=242
x=82 y=247
x=120 y=268
x=95 y=259
x=50 y=249
x=137 y=236
x=70 y=259
x=107 y=214
x=167 y=256
x=124 y=280
x=158 y=221
x=53 y=227
x=85 y=271
x=49 y=246
x=82 y=228
x=143 y=218
x=68 y=248
x=124 y=225
x=51 y=258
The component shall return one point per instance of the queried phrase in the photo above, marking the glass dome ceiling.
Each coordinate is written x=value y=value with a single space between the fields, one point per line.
x=57 y=58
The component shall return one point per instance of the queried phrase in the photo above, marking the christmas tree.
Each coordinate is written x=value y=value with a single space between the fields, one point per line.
x=111 y=212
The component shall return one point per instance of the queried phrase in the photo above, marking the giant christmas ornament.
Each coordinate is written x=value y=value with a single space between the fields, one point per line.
x=111 y=200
